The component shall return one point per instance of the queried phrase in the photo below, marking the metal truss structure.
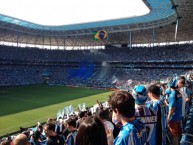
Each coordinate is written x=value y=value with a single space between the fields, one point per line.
x=155 y=27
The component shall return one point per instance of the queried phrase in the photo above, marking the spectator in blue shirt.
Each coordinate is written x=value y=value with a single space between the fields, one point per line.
x=159 y=107
x=147 y=115
x=175 y=113
x=133 y=131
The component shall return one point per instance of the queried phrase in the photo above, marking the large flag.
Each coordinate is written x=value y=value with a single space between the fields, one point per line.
x=100 y=35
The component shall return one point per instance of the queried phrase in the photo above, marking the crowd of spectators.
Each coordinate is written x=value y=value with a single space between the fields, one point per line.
x=137 y=54
x=101 y=77
x=145 y=115
x=114 y=121
x=92 y=68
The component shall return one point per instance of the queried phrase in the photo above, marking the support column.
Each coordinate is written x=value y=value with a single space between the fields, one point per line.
x=17 y=39
x=130 y=40
x=153 y=38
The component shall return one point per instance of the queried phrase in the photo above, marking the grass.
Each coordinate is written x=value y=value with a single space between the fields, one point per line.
x=25 y=106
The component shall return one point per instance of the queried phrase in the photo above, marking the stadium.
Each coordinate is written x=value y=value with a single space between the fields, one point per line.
x=46 y=68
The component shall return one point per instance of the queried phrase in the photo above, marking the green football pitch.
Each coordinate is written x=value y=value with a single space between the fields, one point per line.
x=27 y=105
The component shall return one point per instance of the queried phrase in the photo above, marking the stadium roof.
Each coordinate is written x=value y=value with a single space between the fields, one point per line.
x=160 y=23
x=60 y=12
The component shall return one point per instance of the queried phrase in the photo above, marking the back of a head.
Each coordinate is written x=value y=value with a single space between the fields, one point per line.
x=182 y=77
x=40 y=128
x=21 y=139
x=103 y=114
x=91 y=132
x=155 y=90
x=36 y=135
x=124 y=102
x=6 y=142
x=81 y=114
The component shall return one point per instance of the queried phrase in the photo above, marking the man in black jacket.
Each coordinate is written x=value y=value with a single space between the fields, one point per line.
x=52 y=137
